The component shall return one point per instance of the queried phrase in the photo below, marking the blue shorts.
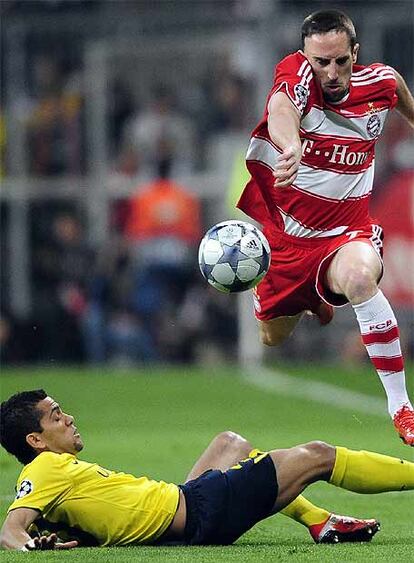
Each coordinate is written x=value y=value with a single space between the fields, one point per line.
x=222 y=506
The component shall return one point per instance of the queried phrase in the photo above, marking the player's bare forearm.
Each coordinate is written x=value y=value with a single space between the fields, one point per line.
x=14 y=533
x=405 y=104
x=16 y=538
x=13 y=537
x=283 y=125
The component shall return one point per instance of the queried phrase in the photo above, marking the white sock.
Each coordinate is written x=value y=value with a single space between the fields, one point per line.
x=381 y=337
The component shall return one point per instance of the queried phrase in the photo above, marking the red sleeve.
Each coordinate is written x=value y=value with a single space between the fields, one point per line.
x=294 y=77
x=387 y=84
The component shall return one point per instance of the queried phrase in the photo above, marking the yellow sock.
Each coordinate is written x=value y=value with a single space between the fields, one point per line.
x=369 y=472
x=305 y=512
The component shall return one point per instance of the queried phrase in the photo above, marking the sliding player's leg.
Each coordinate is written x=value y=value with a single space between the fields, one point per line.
x=358 y=471
x=226 y=449
x=301 y=465
x=370 y=472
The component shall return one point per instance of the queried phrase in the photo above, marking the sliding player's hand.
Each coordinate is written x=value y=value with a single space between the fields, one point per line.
x=48 y=542
x=287 y=167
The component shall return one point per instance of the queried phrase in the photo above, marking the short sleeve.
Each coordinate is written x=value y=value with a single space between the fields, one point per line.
x=42 y=484
x=387 y=82
x=294 y=76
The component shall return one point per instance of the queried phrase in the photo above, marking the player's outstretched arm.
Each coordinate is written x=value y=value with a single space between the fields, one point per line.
x=283 y=124
x=405 y=104
x=14 y=534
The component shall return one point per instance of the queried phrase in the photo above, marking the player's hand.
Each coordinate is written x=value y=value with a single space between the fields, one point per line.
x=287 y=167
x=48 y=542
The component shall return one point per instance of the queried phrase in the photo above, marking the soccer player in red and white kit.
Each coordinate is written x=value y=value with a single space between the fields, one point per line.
x=311 y=160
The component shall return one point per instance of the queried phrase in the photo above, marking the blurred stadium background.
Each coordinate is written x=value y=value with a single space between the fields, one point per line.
x=100 y=98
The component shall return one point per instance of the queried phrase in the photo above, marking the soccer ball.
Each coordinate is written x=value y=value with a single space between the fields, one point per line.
x=234 y=256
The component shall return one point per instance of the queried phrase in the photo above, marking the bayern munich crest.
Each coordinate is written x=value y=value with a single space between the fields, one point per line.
x=374 y=125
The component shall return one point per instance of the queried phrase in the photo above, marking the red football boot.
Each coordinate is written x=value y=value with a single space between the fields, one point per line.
x=404 y=424
x=340 y=529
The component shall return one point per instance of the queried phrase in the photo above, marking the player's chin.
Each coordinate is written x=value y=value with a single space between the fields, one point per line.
x=78 y=444
x=334 y=94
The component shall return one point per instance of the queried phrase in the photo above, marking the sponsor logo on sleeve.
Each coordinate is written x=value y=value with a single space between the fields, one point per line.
x=26 y=487
x=301 y=95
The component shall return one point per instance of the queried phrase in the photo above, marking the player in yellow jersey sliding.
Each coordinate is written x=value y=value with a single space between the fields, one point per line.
x=220 y=500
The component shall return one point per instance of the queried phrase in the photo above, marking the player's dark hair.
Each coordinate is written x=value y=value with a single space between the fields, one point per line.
x=19 y=416
x=328 y=20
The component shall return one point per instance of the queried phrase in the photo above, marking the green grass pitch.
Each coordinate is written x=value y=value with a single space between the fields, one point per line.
x=157 y=421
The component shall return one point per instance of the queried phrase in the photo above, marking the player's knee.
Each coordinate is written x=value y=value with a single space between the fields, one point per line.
x=321 y=456
x=229 y=440
x=360 y=283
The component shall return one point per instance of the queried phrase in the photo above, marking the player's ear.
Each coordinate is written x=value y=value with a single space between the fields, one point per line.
x=35 y=441
x=355 y=51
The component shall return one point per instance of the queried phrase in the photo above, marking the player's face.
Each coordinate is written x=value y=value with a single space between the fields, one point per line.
x=60 y=434
x=331 y=58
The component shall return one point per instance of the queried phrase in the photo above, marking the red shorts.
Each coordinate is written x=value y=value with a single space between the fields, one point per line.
x=296 y=278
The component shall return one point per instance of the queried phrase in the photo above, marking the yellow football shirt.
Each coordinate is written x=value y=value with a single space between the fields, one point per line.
x=115 y=508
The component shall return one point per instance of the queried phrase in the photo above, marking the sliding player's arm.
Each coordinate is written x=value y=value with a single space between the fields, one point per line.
x=283 y=124
x=14 y=533
x=405 y=104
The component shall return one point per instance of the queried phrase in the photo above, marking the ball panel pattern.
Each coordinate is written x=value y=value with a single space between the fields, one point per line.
x=234 y=256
